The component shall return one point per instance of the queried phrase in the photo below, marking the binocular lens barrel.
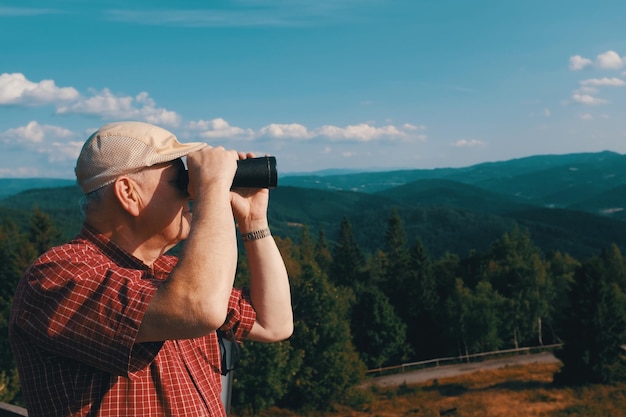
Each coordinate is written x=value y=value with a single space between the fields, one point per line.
x=256 y=173
x=251 y=173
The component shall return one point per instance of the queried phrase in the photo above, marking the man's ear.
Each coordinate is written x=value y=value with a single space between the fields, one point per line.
x=127 y=194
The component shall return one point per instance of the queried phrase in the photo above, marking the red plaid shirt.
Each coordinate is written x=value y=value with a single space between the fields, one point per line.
x=75 y=317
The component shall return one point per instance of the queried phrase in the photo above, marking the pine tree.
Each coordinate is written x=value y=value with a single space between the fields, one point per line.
x=595 y=330
x=407 y=277
x=330 y=364
x=484 y=319
x=306 y=248
x=446 y=271
x=323 y=256
x=422 y=301
x=515 y=268
x=474 y=317
x=264 y=375
x=378 y=333
x=346 y=268
x=561 y=268
x=16 y=253
x=42 y=232
x=457 y=311
x=396 y=266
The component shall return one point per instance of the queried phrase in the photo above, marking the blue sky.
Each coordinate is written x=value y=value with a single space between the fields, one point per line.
x=355 y=84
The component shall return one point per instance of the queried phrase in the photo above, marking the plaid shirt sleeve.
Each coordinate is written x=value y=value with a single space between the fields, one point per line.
x=241 y=315
x=88 y=311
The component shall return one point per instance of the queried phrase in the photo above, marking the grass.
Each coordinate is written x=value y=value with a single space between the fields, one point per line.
x=515 y=391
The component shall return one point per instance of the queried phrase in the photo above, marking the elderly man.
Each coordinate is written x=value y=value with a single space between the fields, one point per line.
x=108 y=324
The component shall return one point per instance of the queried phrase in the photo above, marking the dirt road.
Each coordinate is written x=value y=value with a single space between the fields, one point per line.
x=439 y=372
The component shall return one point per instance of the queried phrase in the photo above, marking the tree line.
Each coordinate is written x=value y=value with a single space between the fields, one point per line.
x=356 y=311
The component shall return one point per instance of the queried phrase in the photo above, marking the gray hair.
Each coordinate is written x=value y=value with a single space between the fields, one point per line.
x=90 y=200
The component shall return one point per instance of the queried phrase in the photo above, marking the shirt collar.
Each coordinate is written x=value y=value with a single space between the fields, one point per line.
x=162 y=264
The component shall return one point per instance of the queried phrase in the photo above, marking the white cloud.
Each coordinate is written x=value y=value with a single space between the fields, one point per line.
x=215 y=124
x=586 y=116
x=588 y=99
x=547 y=112
x=471 y=143
x=361 y=132
x=53 y=141
x=16 y=89
x=34 y=133
x=586 y=89
x=612 y=82
x=364 y=132
x=280 y=131
x=219 y=128
x=408 y=126
x=609 y=60
x=107 y=105
x=577 y=62
x=19 y=172
x=605 y=60
x=64 y=151
x=152 y=114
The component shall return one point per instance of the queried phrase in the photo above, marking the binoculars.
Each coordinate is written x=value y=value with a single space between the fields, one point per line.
x=256 y=173
x=251 y=173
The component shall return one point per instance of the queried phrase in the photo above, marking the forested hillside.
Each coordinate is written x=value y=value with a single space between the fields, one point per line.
x=446 y=216
x=535 y=178
x=11 y=186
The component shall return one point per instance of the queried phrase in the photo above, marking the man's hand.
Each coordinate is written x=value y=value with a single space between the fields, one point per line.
x=250 y=205
x=210 y=167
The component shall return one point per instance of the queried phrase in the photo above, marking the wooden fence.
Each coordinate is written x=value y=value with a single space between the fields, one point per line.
x=433 y=363
x=9 y=410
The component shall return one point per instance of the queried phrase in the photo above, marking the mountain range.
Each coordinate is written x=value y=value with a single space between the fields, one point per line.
x=573 y=203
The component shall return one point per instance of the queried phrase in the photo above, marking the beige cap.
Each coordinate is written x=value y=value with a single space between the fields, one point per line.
x=121 y=148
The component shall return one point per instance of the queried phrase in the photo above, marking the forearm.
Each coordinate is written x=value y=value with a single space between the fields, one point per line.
x=208 y=260
x=269 y=291
x=194 y=299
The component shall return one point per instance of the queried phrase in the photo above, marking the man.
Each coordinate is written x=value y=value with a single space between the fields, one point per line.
x=108 y=324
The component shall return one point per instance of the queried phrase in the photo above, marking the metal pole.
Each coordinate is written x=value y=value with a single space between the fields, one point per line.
x=229 y=358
